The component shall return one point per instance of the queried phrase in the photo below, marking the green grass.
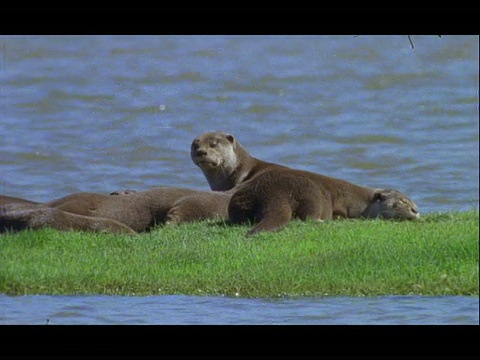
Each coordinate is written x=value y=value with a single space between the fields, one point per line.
x=437 y=255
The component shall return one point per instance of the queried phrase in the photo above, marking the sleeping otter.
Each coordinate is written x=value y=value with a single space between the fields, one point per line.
x=15 y=217
x=139 y=211
x=273 y=198
x=143 y=210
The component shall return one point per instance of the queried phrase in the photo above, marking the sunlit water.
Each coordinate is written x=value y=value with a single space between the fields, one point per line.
x=196 y=310
x=103 y=113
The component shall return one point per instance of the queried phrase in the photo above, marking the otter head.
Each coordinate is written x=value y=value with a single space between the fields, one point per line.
x=213 y=150
x=214 y=153
x=392 y=204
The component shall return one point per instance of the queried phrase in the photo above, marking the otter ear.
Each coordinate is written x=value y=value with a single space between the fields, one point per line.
x=383 y=194
x=379 y=195
x=230 y=138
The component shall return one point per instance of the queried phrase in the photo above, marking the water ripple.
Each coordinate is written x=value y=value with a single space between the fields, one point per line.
x=95 y=113
x=223 y=310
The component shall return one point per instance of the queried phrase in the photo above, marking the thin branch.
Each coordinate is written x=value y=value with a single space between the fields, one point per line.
x=411 y=41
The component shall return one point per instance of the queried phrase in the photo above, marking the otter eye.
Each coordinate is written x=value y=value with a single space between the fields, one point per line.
x=213 y=145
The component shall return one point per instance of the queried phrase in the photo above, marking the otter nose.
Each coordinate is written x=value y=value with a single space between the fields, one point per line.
x=414 y=210
x=200 y=153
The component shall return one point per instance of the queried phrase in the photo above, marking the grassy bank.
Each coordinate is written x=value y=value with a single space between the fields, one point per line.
x=435 y=256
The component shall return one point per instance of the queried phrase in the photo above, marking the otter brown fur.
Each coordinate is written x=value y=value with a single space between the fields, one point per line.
x=200 y=206
x=224 y=162
x=139 y=211
x=79 y=203
x=5 y=199
x=14 y=218
x=271 y=194
x=276 y=196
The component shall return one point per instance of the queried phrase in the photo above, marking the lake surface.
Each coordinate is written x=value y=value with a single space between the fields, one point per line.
x=197 y=310
x=104 y=113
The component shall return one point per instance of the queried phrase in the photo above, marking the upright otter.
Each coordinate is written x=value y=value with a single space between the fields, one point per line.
x=271 y=194
x=224 y=162
x=139 y=211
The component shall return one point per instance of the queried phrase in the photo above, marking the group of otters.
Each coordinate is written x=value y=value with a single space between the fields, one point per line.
x=244 y=190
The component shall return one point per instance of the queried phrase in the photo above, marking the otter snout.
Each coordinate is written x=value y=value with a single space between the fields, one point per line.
x=415 y=212
x=200 y=153
x=203 y=157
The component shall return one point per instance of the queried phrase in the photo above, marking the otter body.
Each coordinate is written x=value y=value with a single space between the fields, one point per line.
x=271 y=195
x=139 y=211
x=273 y=198
x=143 y=210
x=16 y=218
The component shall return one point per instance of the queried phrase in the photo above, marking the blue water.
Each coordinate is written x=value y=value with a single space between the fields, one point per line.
x=198 y=310
x=103 y=113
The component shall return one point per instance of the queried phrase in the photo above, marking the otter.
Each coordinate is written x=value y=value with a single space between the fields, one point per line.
x=271 y=194
x=14 y=218
x=274 y=197
x=224 y=162
x=138 y=210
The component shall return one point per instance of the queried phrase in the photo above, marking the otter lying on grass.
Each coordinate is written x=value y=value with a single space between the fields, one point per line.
x=270 y=195
x=128 y=212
